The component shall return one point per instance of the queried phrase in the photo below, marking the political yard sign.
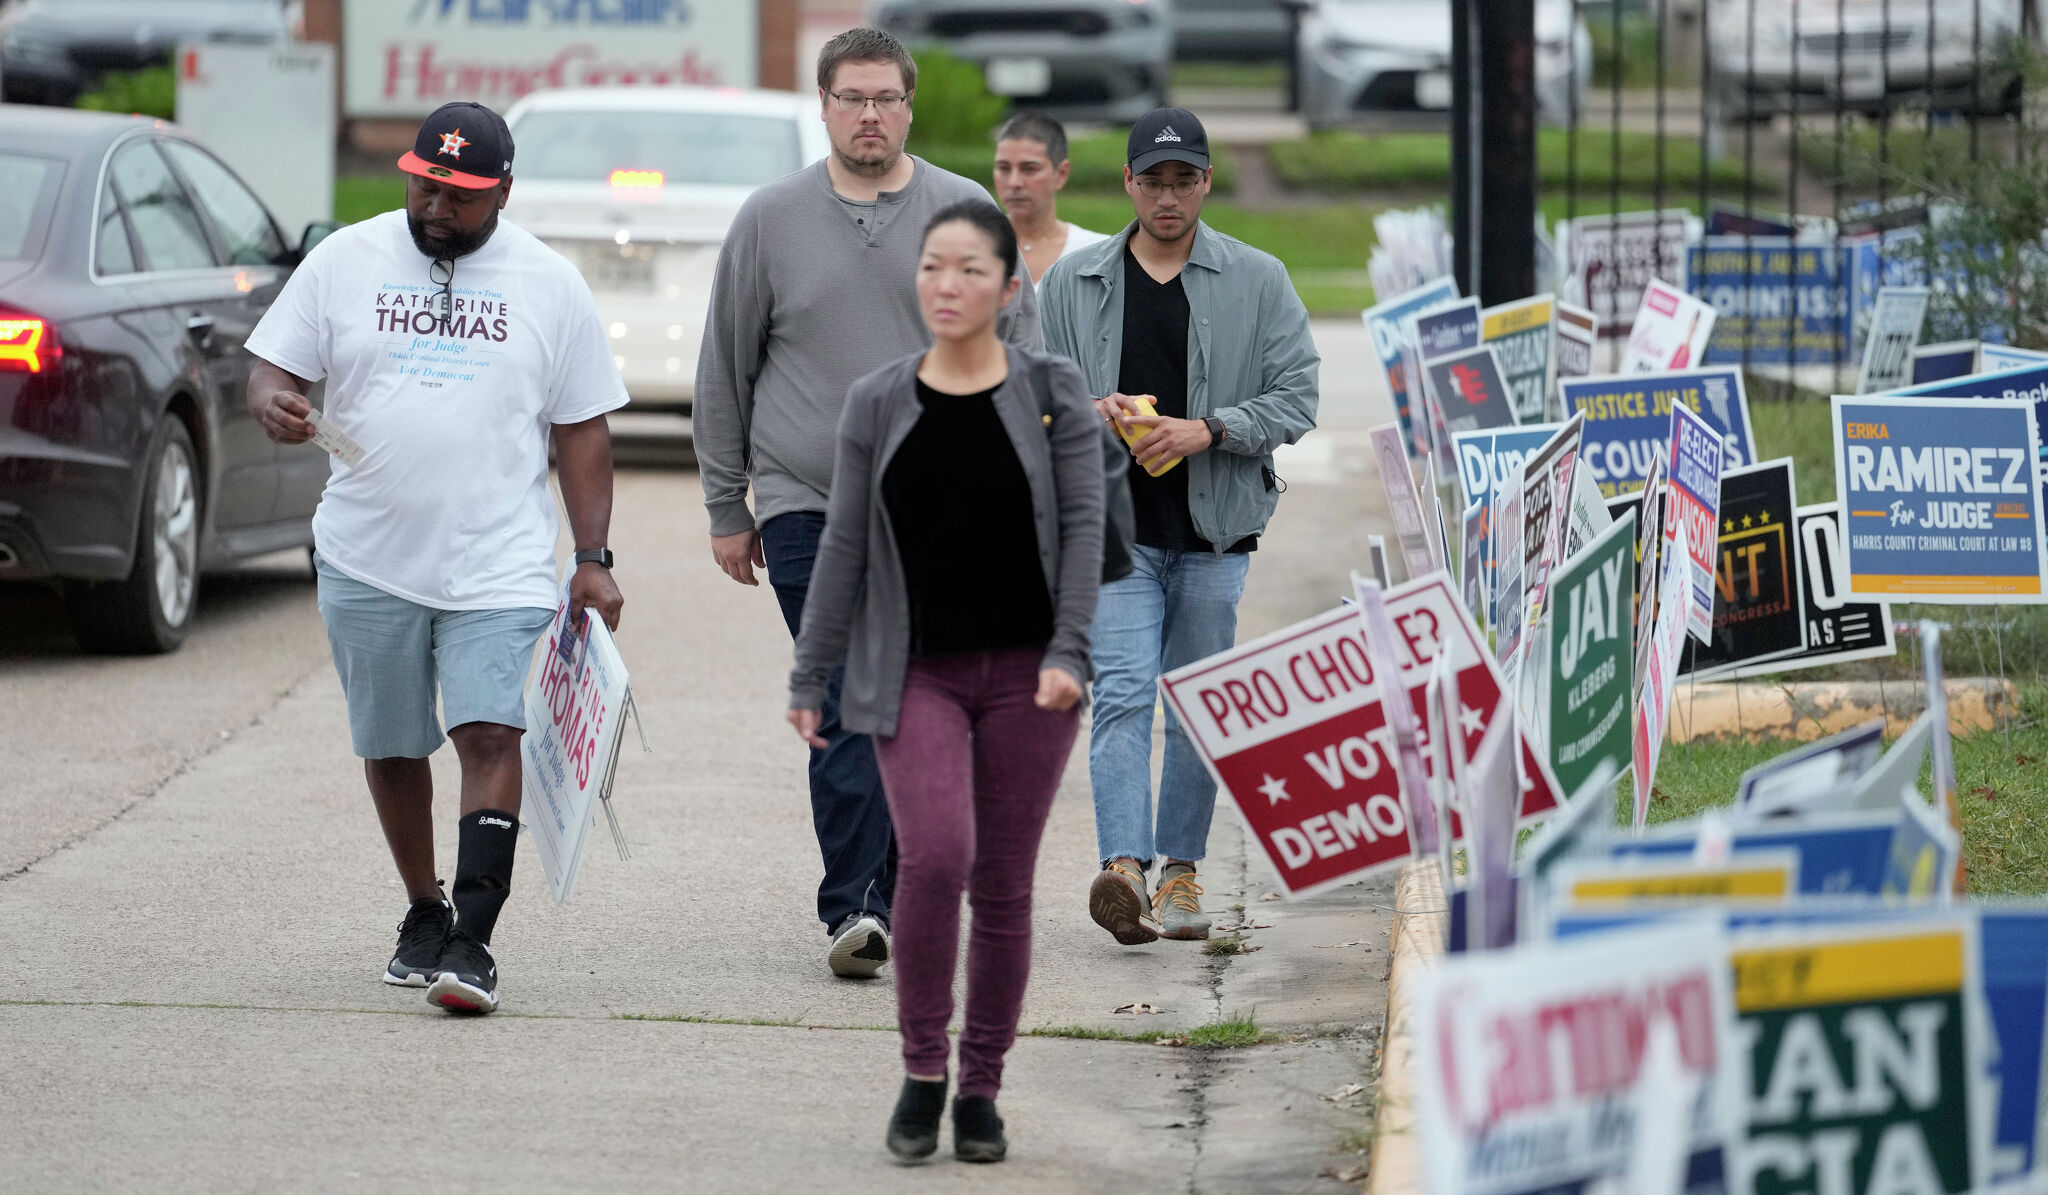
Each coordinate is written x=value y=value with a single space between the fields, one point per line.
x=1471 y=390
x=1592 y=624
x=1383 y=323
x=1628 y=419
x=1694 y=505
x=1522 y=340
x=1837 y=630
x=1757 y=610
x=1938 y=499
x=1292 y=728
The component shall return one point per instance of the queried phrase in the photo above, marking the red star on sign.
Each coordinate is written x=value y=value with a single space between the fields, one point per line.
x=452 y=143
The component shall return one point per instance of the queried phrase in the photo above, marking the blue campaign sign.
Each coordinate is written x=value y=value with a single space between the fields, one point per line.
x=1845 y=855
x=2028 y=382
x=1487 y=460
x=1777 y=302
x=1939 y=501
x=1451 y=330
x=1933 y=363
x=1628 y=420
x=1383 y=323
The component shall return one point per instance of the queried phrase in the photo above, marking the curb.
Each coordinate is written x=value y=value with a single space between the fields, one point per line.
x=1418 y=937
x=1810 y=709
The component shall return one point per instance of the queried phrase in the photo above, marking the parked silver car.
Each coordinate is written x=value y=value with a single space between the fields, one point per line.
x=1810 y=55
x=1231 y=30
x=1074 y=59
x=1359 y=57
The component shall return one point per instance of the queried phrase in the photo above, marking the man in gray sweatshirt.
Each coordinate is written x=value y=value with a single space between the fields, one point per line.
x=816 y=287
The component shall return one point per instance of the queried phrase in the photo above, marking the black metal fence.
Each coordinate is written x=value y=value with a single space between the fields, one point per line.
x=1800 y=153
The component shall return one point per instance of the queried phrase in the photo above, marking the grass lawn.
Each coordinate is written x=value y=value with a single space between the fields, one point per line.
x=2004 y=794
x=1339 y=160
x=1268 y=74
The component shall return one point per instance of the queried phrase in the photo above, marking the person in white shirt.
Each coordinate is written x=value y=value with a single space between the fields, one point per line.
x=453 y=346
x=1031 y=170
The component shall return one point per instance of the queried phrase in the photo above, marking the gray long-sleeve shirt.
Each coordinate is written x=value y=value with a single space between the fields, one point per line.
x=812 y=292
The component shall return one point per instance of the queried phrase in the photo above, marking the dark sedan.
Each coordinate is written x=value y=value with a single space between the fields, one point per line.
x=53 y=51
x=133 y=265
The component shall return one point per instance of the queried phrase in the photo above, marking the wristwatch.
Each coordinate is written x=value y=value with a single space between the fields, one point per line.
x=602 y=557
x=1215 y=427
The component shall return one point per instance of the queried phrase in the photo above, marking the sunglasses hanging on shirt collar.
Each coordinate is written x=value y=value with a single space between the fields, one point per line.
x=442 y=274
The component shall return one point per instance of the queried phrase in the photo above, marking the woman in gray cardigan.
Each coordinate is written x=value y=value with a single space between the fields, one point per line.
x=957 y=580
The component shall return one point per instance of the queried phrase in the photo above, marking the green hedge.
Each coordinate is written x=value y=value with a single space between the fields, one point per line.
x=1097 y=160
x=149 y=92
x=1339 y=160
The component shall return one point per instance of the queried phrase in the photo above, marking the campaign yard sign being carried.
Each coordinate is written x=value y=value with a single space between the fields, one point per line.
x=1521 y=336
x=575 y=711
x=1383 y=324
x=1628 y=419
x=1939 y=499
x=1837 y=630
x=1758 y=613
x=1592 y=624
x=1694 y=505
x=1291 y=727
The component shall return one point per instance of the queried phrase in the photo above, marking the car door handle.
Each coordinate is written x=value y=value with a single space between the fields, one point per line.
x=201 y=327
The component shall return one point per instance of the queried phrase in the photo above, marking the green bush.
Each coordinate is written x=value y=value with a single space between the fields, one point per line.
x=149 y=92
x=953 y=104
x=1340 y=160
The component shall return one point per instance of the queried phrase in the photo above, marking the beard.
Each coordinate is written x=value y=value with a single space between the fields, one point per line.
x=877 y=160
x=462 y=244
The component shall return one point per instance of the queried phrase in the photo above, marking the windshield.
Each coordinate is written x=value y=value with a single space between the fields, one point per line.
x=24 y=186
x=686 y=147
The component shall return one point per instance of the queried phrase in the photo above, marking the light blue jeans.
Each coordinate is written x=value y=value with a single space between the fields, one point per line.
x=1173 y=609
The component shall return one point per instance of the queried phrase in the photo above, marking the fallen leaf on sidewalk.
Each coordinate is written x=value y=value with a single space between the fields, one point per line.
x=1255 y=925
x=1171 y=1041
x=1270 y=896
x=1141 y=1010
x=1354 y=1174
x=1989 y=794
x=1344 y=1093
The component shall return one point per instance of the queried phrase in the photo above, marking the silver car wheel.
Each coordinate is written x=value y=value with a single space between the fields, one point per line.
x=174 y=531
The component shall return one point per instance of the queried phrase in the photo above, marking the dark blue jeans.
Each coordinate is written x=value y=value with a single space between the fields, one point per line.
x=848 y=808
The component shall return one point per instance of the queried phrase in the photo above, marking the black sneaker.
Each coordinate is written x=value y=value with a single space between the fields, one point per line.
x=467 y=978
x=421 y=938
x=977 y=1130
x=859 y=947
x=914 y=1126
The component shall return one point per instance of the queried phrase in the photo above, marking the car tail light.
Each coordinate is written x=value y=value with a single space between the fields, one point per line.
x=28 y=343
x=637 y=179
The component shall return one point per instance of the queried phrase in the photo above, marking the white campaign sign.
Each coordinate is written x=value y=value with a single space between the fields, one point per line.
x=575 y=709
x=268 y=112
x=408 y=57
x=1894 y=331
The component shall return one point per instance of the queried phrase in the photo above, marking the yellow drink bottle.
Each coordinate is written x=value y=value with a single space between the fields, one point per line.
x=1131 y=436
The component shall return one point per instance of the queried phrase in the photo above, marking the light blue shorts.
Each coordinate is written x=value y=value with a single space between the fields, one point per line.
x=392 y=654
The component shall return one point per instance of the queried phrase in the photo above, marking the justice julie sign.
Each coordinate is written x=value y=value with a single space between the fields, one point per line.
x=1938 y=499
x=1628 y=419
x=1292 y=728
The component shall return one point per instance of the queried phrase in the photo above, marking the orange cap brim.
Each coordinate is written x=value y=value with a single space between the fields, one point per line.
x=412 y=163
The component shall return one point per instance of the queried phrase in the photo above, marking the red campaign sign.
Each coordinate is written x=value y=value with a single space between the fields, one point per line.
x=1292 y=728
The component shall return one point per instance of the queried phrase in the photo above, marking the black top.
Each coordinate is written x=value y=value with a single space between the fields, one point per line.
x=960 y=507
x=1155 y=362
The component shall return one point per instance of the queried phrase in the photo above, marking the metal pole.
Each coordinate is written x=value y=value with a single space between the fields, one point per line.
x=1463 y=165
x=1505 y=61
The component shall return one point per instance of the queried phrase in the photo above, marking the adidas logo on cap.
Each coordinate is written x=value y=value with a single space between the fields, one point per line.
x=1166 y=134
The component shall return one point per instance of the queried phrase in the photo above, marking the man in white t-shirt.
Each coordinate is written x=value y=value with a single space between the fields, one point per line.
x=1031 y=170
x=453 y=346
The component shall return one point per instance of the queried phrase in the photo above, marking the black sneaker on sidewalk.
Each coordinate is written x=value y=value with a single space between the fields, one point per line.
x=422 y=936
x=914 y=1125
x=467 y=978
x=977 y=1130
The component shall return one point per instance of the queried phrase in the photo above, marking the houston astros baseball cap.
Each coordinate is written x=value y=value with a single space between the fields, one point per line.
x=1167 y=135
x=463 y=144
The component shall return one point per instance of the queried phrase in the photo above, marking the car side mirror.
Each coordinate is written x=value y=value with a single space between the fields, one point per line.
x=316 y=232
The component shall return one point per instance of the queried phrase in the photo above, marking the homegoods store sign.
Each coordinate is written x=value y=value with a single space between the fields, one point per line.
x=408 y=57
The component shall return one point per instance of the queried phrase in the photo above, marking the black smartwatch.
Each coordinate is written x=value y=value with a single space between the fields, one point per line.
x=1215 y=427
x=602 y=557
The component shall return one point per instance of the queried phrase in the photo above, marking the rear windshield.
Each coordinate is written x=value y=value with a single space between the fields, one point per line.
x=686 y=147
x=27 y=186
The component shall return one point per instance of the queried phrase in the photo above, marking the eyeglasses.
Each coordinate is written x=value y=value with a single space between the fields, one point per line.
x=1182 y=187
x=442 y=274
x=853 y=102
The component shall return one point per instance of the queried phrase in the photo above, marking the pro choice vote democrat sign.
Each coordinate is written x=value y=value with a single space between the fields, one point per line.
x=1292 y=728
x=1938 y=499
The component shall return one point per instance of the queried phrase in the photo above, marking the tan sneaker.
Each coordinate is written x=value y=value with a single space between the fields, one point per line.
x=1116 y=900
x=1178 y=904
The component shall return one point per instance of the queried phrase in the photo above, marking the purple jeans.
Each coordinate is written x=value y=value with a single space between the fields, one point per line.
x=970 y=777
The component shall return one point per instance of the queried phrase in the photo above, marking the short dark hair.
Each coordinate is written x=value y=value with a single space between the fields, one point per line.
x=988 y=218
x=865 y=45
x=1036 y=126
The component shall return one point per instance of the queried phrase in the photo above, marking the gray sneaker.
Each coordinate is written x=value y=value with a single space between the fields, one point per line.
x=859 y=947
x=1116 y=900
x=1178 y=903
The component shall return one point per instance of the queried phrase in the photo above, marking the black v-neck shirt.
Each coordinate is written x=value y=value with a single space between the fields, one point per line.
x=960 y=506
x=1155 y=362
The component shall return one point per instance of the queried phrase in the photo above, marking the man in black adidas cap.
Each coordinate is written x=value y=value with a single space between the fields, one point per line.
x=453 y=346
x=1210 y=331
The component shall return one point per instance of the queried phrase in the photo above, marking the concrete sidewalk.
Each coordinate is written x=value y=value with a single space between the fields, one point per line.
x=189 y=990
